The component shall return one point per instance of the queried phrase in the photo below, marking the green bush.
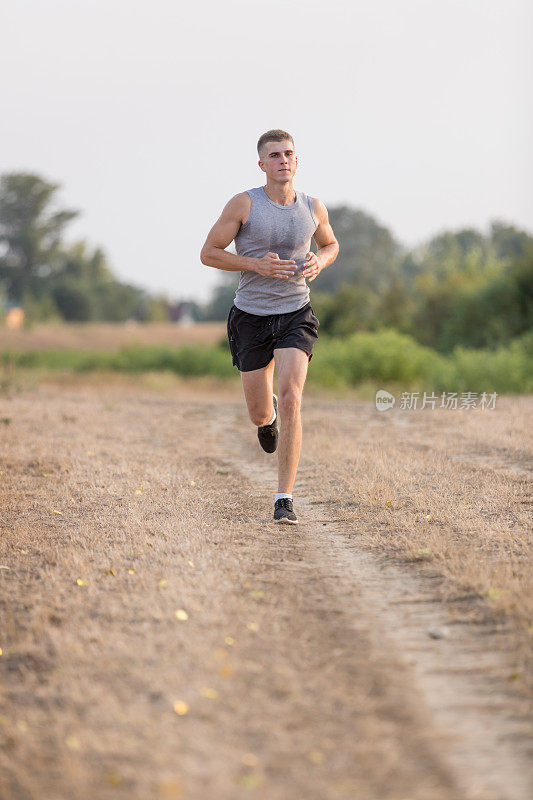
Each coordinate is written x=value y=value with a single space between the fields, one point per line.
x=506 y=370
x=384 y=357
x=188 y=360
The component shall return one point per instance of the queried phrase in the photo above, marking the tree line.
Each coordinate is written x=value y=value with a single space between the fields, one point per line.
x=54 y=281
x=461 y=287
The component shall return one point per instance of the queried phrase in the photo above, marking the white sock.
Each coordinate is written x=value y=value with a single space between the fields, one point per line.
x=279 y=495
x=272 y=420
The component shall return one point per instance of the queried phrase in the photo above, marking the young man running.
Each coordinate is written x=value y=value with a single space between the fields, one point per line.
x=271 y=322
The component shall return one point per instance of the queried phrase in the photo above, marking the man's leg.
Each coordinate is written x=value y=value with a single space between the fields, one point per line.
x=258 y=387
x=291 y=368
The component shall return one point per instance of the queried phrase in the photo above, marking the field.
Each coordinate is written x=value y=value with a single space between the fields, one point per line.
x=375 y=358
x=161 y=638
x=108 y=336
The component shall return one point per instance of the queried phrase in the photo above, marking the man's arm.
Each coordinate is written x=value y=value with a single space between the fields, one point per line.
x=328 y=246
x=222 y=234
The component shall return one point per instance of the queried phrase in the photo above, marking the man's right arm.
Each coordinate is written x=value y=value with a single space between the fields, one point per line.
x=222 y=234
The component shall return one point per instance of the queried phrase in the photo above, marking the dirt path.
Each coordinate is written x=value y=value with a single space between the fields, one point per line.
x=304 y=660
x=470 y=723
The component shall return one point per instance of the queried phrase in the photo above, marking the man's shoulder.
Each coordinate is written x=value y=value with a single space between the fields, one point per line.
x=319 y=209
x=239 y=206
x=239 y=198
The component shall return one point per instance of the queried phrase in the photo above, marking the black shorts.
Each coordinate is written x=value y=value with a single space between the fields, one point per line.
x=254 y=337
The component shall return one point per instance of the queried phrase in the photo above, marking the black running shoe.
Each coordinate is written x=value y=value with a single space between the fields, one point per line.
x=283 y=511
x=268 y=434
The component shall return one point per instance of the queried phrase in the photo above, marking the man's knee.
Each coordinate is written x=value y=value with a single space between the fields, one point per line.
x=290 y=401
x=259 y=414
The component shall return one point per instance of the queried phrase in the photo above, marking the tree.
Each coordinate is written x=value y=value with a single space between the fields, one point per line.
x=30 y=231
x=369 y=255
x=222 y=297
x=396 y=306
x=495 y=313
x=350 y=308
x=74 y=300
x=470 y=289
x=509 y=242
x=77 y=262
x=49 y=278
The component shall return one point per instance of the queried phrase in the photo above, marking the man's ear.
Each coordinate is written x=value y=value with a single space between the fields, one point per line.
x=260 y=163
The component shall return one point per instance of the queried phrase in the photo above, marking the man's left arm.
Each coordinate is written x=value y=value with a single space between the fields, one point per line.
x=328 y=246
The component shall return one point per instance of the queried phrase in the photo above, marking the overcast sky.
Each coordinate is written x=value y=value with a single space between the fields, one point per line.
x=148 y=113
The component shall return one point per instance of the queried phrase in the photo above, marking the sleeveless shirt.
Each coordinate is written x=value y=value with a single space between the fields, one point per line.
x=285 y=230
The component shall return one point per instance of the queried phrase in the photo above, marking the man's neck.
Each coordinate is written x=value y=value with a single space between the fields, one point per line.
x=281 y=193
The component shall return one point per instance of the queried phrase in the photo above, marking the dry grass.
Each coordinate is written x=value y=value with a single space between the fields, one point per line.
x=109 y=336
x=154 y=518
x=449 y=487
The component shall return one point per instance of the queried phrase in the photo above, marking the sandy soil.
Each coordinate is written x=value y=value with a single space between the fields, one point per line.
x=305 y=667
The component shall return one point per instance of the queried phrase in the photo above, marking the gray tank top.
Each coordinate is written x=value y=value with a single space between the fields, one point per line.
x=285 y=230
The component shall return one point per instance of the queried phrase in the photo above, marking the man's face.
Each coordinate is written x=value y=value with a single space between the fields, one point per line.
x=279 y=161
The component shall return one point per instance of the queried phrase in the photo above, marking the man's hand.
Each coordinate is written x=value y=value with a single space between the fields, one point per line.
x=312 y=266
x=272 y=266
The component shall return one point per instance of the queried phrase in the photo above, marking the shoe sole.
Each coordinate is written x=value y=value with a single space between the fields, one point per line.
x=286 y=521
